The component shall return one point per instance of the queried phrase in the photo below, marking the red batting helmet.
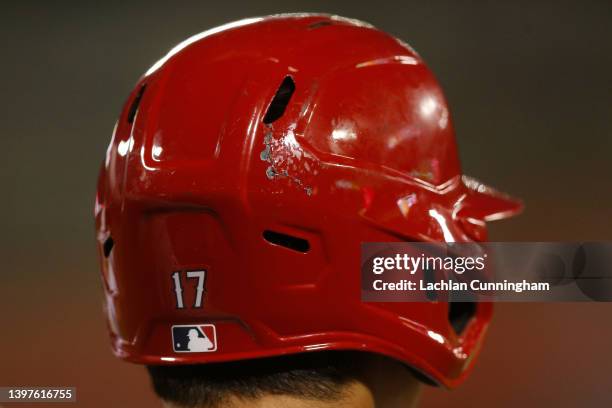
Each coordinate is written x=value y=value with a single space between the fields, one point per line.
x=246 y=168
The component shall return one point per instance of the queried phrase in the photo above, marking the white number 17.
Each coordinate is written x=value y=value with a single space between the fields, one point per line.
x=178 y=289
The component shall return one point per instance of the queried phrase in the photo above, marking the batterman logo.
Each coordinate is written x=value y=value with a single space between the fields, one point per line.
x=201 y=338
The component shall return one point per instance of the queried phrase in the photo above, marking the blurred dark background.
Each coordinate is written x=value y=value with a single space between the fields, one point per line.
x=530 y=89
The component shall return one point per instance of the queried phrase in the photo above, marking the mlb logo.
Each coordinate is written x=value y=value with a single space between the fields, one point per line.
x=200 y=338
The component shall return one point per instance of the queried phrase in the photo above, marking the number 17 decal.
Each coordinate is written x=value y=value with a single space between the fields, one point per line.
x=178 y=289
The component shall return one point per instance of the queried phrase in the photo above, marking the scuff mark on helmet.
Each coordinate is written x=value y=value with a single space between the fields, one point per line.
x=286 y=158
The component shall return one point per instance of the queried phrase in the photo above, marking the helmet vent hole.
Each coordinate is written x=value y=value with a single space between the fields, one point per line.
x=281 y=100
x=319 y=24
x=107 y=247
x=287 y=241
x=460 y=314
x=134 y=105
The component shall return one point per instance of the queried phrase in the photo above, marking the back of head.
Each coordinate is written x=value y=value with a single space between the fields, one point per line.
x=245 y=171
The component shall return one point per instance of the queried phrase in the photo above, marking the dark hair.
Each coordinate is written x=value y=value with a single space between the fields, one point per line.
x=315 y=376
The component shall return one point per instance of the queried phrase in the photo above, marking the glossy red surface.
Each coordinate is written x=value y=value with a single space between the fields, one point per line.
x=365 y=151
